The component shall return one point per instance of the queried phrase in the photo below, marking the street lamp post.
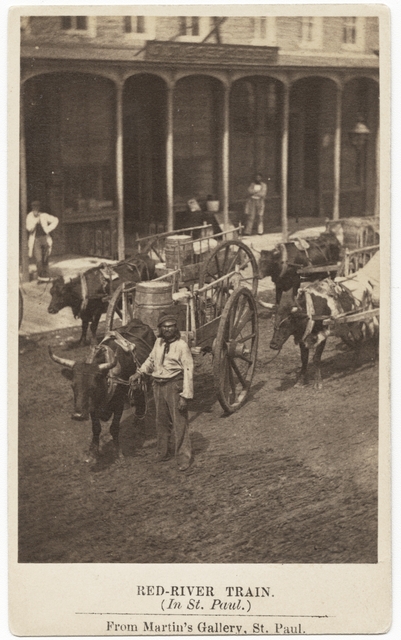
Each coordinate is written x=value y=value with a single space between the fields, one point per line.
x=358 y=137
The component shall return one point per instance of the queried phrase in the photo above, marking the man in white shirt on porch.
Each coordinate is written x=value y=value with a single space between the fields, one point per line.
x=255 y=205
x=39 y=226
x=171 y=366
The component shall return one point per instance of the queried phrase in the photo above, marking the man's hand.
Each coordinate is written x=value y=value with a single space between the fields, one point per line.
x=136 y=376
x=182 y=404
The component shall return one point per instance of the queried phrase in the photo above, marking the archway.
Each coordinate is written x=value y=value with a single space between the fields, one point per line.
x=360 y=103
x=255 y=141
x=197 y=140
x=311 y=147
x=144 y=109
x=70 y=156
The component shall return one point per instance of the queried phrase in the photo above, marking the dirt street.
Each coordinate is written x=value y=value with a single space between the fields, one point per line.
x=290 y=478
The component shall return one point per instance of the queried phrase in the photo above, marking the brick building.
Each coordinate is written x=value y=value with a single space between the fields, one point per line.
x=127 y=117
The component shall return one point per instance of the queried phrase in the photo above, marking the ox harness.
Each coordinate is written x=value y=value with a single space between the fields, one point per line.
x=301 y=245
x=113 y=379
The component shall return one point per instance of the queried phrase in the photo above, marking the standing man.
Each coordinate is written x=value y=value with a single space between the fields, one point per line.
x=39 y=226
x=255 y=204
x=171 y=366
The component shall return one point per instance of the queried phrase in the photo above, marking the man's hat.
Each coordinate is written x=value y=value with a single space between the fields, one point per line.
x=166 y=317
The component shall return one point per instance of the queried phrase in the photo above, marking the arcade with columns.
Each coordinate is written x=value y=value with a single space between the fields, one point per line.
x=127 y=144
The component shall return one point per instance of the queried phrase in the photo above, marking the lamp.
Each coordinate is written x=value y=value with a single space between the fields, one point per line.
x=359 y=134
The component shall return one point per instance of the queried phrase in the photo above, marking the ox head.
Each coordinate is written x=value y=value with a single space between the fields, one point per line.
x=88 y=381
x=270 y=263
x=58 y=294
x=290 y=321
x=66 y=294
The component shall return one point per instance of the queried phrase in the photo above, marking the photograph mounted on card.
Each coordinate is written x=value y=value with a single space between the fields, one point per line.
x=199 y=419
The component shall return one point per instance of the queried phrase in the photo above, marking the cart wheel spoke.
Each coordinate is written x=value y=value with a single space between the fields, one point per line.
x=242 y=323
x=238 y=372
x=246 y=338
x=235 y=359
x=121 y=307
x=223 y=260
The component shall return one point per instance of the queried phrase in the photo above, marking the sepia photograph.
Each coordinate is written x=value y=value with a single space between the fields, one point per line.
x=199 y=203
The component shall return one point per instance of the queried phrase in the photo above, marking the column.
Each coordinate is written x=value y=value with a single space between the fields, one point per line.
x=23 y=193
x=226 y=154
x=120 y=175
x=170 y=159
x=284 y=163
x=337 y=155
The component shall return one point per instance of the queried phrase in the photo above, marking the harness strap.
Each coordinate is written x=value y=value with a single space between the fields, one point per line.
x=84 y=293
x=310 y=311
x=284 y=259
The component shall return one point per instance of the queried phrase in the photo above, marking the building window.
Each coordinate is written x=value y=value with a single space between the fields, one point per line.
x=349 y=30
x=193 y=28
x=189 y=26
x=79 y=24
x=134 y=24
x=139 y=26
x=353 y=33
x=312 y=32
x=264 y=31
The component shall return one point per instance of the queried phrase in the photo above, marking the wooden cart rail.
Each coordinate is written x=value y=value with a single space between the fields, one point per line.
x=351 y=316
x=326 y=268
x=156 y=243
x=352 y=261
x=356 y=259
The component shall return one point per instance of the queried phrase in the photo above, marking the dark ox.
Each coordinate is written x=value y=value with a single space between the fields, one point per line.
x=100 y=385
x=302 y=317
x=69 y=294
x=284 y=261
x=89 y=293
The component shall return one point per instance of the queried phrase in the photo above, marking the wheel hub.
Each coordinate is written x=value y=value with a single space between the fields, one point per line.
x=237 y=350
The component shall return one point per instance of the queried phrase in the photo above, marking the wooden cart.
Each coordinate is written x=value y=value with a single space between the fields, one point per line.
x=215 y=295
x=349 y=323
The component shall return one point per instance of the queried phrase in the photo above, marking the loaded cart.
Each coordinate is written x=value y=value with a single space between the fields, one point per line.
x=358 y=266
x=212 y=294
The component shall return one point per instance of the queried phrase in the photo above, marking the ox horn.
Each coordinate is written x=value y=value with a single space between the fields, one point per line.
x=268 y=305
x=63 y=361
x=106 y=366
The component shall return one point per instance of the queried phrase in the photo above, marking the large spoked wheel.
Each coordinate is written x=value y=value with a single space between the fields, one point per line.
x=121 y=307
x=225 y=258
x=235 y=350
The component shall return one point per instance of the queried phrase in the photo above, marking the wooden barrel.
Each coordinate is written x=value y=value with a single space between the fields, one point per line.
x=177 y=252
x=151 y=299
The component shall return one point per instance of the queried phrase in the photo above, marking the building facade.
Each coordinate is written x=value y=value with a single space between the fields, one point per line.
x=125 y=118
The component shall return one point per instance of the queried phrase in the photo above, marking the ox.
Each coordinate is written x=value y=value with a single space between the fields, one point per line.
x=88 y=294
x=100 y=385
x=284 y=261
x=305 y=317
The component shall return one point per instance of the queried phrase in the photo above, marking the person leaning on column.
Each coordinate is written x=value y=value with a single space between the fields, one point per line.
x=171 y=366
x=39 y=226
x=255 y=204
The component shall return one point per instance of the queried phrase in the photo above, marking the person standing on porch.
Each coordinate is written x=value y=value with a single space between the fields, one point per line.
x=255 y=204
x=39 y=226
